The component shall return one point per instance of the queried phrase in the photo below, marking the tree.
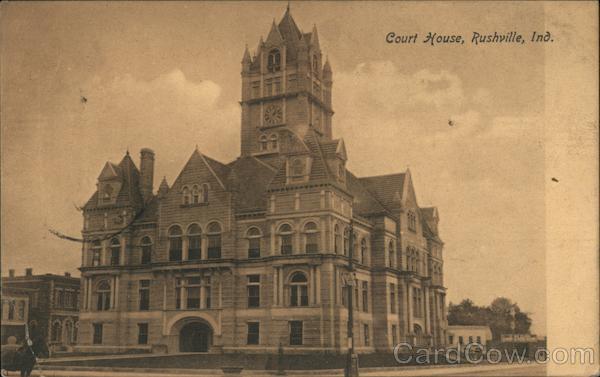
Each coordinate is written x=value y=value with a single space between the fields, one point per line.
x=498 y=316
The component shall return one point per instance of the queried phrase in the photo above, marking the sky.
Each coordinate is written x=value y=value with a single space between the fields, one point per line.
x=167 y=76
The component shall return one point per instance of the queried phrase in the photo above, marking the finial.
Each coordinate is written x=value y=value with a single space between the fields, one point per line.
x=288 y=6
x=127 y=151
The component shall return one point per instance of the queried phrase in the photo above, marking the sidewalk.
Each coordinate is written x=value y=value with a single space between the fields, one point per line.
x=367 y=372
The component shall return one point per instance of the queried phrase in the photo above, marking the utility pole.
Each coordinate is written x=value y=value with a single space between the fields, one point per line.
x=351 y=369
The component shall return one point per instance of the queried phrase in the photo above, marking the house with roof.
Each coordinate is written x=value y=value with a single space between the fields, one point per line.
x=252 y=254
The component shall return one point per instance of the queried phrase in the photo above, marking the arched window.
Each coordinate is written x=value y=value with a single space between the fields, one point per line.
x=264 y=143
x=311 y=237
x=103 y=296
x=115 y=251
x=146 y=245
x=214 y=240
x=363 y=251
x=96 y=253
x=254 y=236
x=273 y=139
x=346 y=241
x=56 y=331
x=194 y=242
x=175 y=243
x=68 y=331
x=285 y=234
x=298 y=290
x=204 y=192
x=391 y=254
x=337 y=240
x=187 y=199
x=195 y=195
x=274 y=61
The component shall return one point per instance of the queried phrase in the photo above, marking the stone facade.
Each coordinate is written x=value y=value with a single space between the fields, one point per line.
x=253 y=254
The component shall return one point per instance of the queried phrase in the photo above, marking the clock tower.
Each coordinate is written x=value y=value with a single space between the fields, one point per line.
x=286 y=88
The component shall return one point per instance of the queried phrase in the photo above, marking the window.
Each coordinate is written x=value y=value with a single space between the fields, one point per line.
x=315 y=64
x=254 y=236
x=193 y=293
x=146 y=245
x=96 y=253
x=108 y=191
x=392 y=298
x=394 y=335
x=194 y=242
x=276 y=86
x=21 y=312
x=479 y=339
x=460 y=340
x=187 y=197
x=345 y=290
x=337 y=241
x=144 y=293
x=59 y=299
x=207 y=295
x=204 y=192
x=142 y=333
x=311 y=238
x=470 y=339
x=56 y=332
x=391 y=254
x=273 y=141
x=341 y=171
x=97 y=337
x=297 y=168
x=195 y=195
x=365 y=296
x=264 y=143
x=298 y=290
x=285 y=239
x=214 y=240
x=115 y=251
x=274 y=61
x=367 y=341
x=451 y=339
x=295 y=333
x=346 y=241
x=253 y=333
x=103 y=296
x=253 y=287
x=11 y=309
x=363 y=251
x=175 y=243
x=412 y=221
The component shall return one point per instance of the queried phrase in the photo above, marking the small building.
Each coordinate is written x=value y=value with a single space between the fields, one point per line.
x=15 y=313
x=518 y=338
x=459 y=336
x=52 y=301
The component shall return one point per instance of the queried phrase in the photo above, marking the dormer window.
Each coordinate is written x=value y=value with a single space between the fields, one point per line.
x=274 y=61
x=108 y=191
x=297 y=168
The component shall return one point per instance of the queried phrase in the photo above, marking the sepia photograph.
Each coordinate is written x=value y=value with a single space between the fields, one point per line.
x=303 y=188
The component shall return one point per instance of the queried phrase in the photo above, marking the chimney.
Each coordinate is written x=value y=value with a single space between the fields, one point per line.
x=67 y=274
x=11 y=273
x=147 y=173
x=29 y=271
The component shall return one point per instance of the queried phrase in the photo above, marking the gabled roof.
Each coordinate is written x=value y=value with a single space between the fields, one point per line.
x=249 y=178
x=288 y=28
x=388 y=189
x=129 y=176
x=334 y=148
x=219 y=170
x=365 y=203
x=274 y=37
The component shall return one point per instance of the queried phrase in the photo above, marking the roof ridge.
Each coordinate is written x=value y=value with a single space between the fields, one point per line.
x=383 y=175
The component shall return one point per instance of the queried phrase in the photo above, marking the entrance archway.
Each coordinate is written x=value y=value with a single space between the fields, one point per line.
x=195 y=337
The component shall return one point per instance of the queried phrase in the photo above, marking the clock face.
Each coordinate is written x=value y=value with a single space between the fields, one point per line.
x=273 y=115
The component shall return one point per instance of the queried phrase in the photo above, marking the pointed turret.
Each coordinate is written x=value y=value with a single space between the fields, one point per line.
x=274 y=38
x=327 y=72
x=314 y=38
x=163 y=189
x=246 y=60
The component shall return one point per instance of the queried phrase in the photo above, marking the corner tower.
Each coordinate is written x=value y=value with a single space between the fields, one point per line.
x=286 y=87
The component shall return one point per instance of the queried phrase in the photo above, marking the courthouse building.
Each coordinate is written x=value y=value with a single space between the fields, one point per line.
x=247 y=255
